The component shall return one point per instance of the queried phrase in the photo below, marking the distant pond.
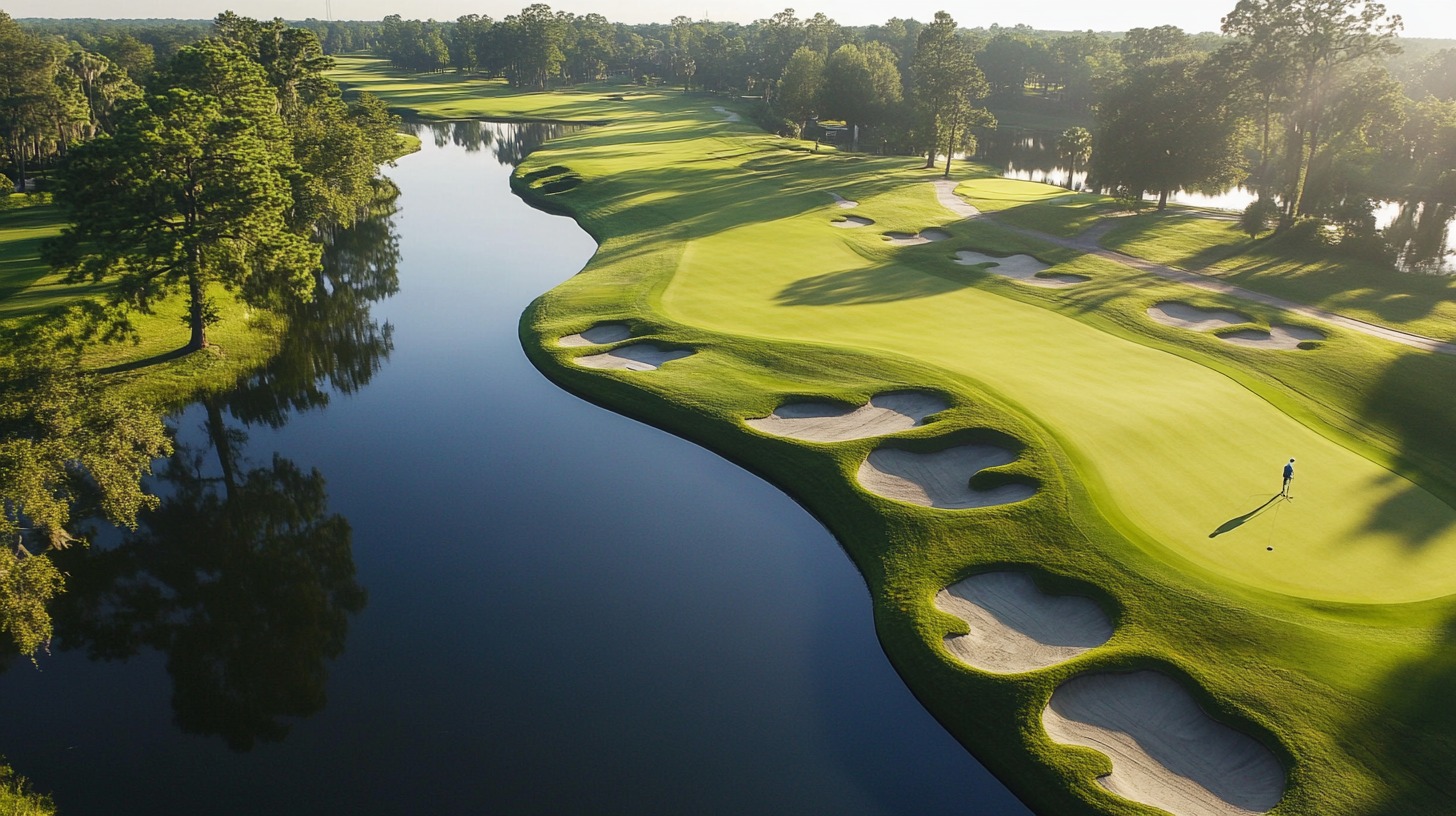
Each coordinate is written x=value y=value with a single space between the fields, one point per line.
x=1421 y=230
x=400 y=572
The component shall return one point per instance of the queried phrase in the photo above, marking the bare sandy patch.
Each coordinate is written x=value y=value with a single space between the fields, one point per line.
x=924 y=236
x=850 y=222
x=1023 y=268
x=728 y=115
x=634 y=357
x=1015 y=627
x=1184 y=316
x=887 y=413
x=1279 y=336
x=1165 y=750
x=842 y=202
x=601 y=334
x=939 y=479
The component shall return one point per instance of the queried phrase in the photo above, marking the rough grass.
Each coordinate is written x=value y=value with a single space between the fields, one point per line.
x=1144 y=439
x=1425 y=304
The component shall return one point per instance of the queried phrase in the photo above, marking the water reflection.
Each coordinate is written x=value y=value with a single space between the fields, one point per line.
x=242 y=577
x=1419 y=232
x=510 y=142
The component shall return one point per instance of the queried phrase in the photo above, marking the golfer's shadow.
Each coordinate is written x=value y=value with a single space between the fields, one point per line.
x=1239 y=521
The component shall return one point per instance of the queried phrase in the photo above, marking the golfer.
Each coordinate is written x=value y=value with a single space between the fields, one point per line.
x=1288 y=477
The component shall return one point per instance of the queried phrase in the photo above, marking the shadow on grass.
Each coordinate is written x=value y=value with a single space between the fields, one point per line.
x=877 y=284
x=155 y=359
x=1239 y=521
x=1407 y=730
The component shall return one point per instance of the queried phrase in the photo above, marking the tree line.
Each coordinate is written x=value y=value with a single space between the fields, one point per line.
x=221 y=176
x=1308 y=101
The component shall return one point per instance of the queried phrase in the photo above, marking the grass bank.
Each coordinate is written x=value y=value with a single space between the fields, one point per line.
x=1147 y=445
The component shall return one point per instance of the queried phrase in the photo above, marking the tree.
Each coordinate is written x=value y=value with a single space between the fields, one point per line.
x=1257 y=216
x=1166 y=126
x=947 y=84
x=28 y=92
x=860 y=84
x=1074 y=145
x=1005 y=60
x=1140 y=46
x=190 y=191
x=1309 y=47
x=802 y=85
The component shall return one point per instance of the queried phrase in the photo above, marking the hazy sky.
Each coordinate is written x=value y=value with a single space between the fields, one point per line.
x=1423 y=18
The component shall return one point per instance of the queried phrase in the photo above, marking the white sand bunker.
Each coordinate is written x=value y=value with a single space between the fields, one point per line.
x=729 y=116
x=1165 y=751
x=1019 y=267
x=1183 y=316
x=635 y=357
x=940 y=479
x=599 y=335
x=850 y=222
x=826 y=422
x=843 y=202
x=1015 y=627
x=1279 y=336
x=922 y=237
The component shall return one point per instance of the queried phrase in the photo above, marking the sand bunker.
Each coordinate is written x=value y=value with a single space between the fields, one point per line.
x=850 y=222
x=635 y=357
x=921 y=237
x=1018 y=267
x=1165 y=751
x=729 y=116
x=826 y=422
x=1279 y=336
x=1183 y=316
x=1015 y=627
x=601 y=334
x=940 y=479
x=843 y=202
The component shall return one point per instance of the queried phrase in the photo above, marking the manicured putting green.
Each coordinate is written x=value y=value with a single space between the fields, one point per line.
x=1190 y=457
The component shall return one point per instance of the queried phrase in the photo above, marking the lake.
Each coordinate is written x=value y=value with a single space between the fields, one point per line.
x=400 y=572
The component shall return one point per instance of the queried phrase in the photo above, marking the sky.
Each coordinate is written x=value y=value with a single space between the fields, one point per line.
x=1423 y=18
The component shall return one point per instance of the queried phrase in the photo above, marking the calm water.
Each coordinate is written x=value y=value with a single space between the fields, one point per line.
x=403 y=573
x=1421 y=231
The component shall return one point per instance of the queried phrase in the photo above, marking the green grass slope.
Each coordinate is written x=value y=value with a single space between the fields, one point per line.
x=1143 y=442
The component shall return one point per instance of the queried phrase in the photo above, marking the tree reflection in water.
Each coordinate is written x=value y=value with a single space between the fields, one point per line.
x=1420 y=234
x=510 y=143
x=242 y=577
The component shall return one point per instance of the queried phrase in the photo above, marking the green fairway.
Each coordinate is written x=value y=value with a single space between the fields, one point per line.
x=1154 y=450
x=1180 y=449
